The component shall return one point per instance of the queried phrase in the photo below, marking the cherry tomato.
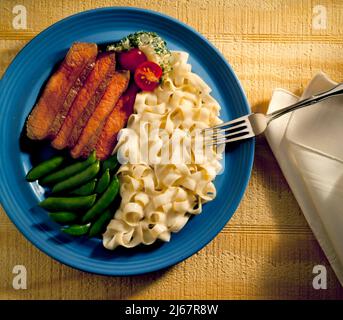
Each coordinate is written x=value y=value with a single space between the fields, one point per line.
x=130 y=60
x=148 y=75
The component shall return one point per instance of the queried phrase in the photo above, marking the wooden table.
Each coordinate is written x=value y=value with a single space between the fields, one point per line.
x=267 y=250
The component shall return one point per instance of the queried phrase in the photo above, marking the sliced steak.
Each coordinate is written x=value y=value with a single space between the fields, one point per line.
x=92 y=130
x=59 y=93
x=107 y=139
x=86 y=101
x=73 y=92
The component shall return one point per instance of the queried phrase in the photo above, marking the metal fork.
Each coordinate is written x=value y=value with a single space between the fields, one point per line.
x=254 y=124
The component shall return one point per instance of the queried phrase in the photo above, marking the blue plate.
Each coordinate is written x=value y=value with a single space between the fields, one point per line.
x=20 y=87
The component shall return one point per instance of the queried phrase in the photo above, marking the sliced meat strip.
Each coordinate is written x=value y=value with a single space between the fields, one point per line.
x=114 y=90
x=39 y=123
x=115 y=122
x=73 y=92
x=86 y=101
x=88 y=111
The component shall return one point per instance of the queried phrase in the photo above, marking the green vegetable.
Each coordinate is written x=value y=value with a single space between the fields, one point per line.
x=68 y=171
x=110 y=163
x=68 y=204
x=104 y=201
x=86 y=189
x=146 y=41
x=99 y=225
x=77 y=229
x=63 y=216
x=44 y=168
x=103 y=182
x=78 y=179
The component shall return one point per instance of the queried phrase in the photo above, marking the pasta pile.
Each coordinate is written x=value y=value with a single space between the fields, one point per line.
x=159 y=196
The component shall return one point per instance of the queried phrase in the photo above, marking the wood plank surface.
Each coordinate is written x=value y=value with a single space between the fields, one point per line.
x=267 y=250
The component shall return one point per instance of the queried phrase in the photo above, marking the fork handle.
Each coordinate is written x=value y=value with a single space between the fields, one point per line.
x=337 y=90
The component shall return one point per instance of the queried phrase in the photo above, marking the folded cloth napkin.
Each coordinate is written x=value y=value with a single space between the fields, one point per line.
x=307 y=144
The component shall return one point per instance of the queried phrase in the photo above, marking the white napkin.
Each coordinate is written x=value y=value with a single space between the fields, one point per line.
x=308 y=145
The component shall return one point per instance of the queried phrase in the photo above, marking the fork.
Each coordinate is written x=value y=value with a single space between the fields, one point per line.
x=254 y=124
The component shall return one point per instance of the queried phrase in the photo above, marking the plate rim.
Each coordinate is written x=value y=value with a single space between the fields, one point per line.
x=234 y=204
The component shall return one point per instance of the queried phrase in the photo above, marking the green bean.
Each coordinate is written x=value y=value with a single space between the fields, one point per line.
x=103 y=182
x=86 y=189
x=63 y=216
x=78 y=179
x=98 y=226
x=110 y=163
x=77 y=229
x=44 y=168
x=68 y=204
x=104 y=201
x=68 y=171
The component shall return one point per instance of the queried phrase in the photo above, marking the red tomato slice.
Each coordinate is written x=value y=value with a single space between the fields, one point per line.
x=130 y=60
x=148 y=75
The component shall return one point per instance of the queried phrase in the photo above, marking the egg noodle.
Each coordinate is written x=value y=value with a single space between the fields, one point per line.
x=166 y=173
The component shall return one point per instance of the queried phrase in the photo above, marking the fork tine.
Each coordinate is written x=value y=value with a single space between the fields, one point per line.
x=237 y=121
x=238 y=126
x=224 y=132
x=243 y=135
x=232 y=134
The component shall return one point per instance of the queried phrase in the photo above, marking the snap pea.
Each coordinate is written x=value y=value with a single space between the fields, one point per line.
x=68 y=171
x=103 y=182
x=110 y=163
x=98 y=226
x=63 y=216
x=44 y=168
x=68 y=204
x=104 y=201
x=77 y=229
x=78 y=179
x=86 y=189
